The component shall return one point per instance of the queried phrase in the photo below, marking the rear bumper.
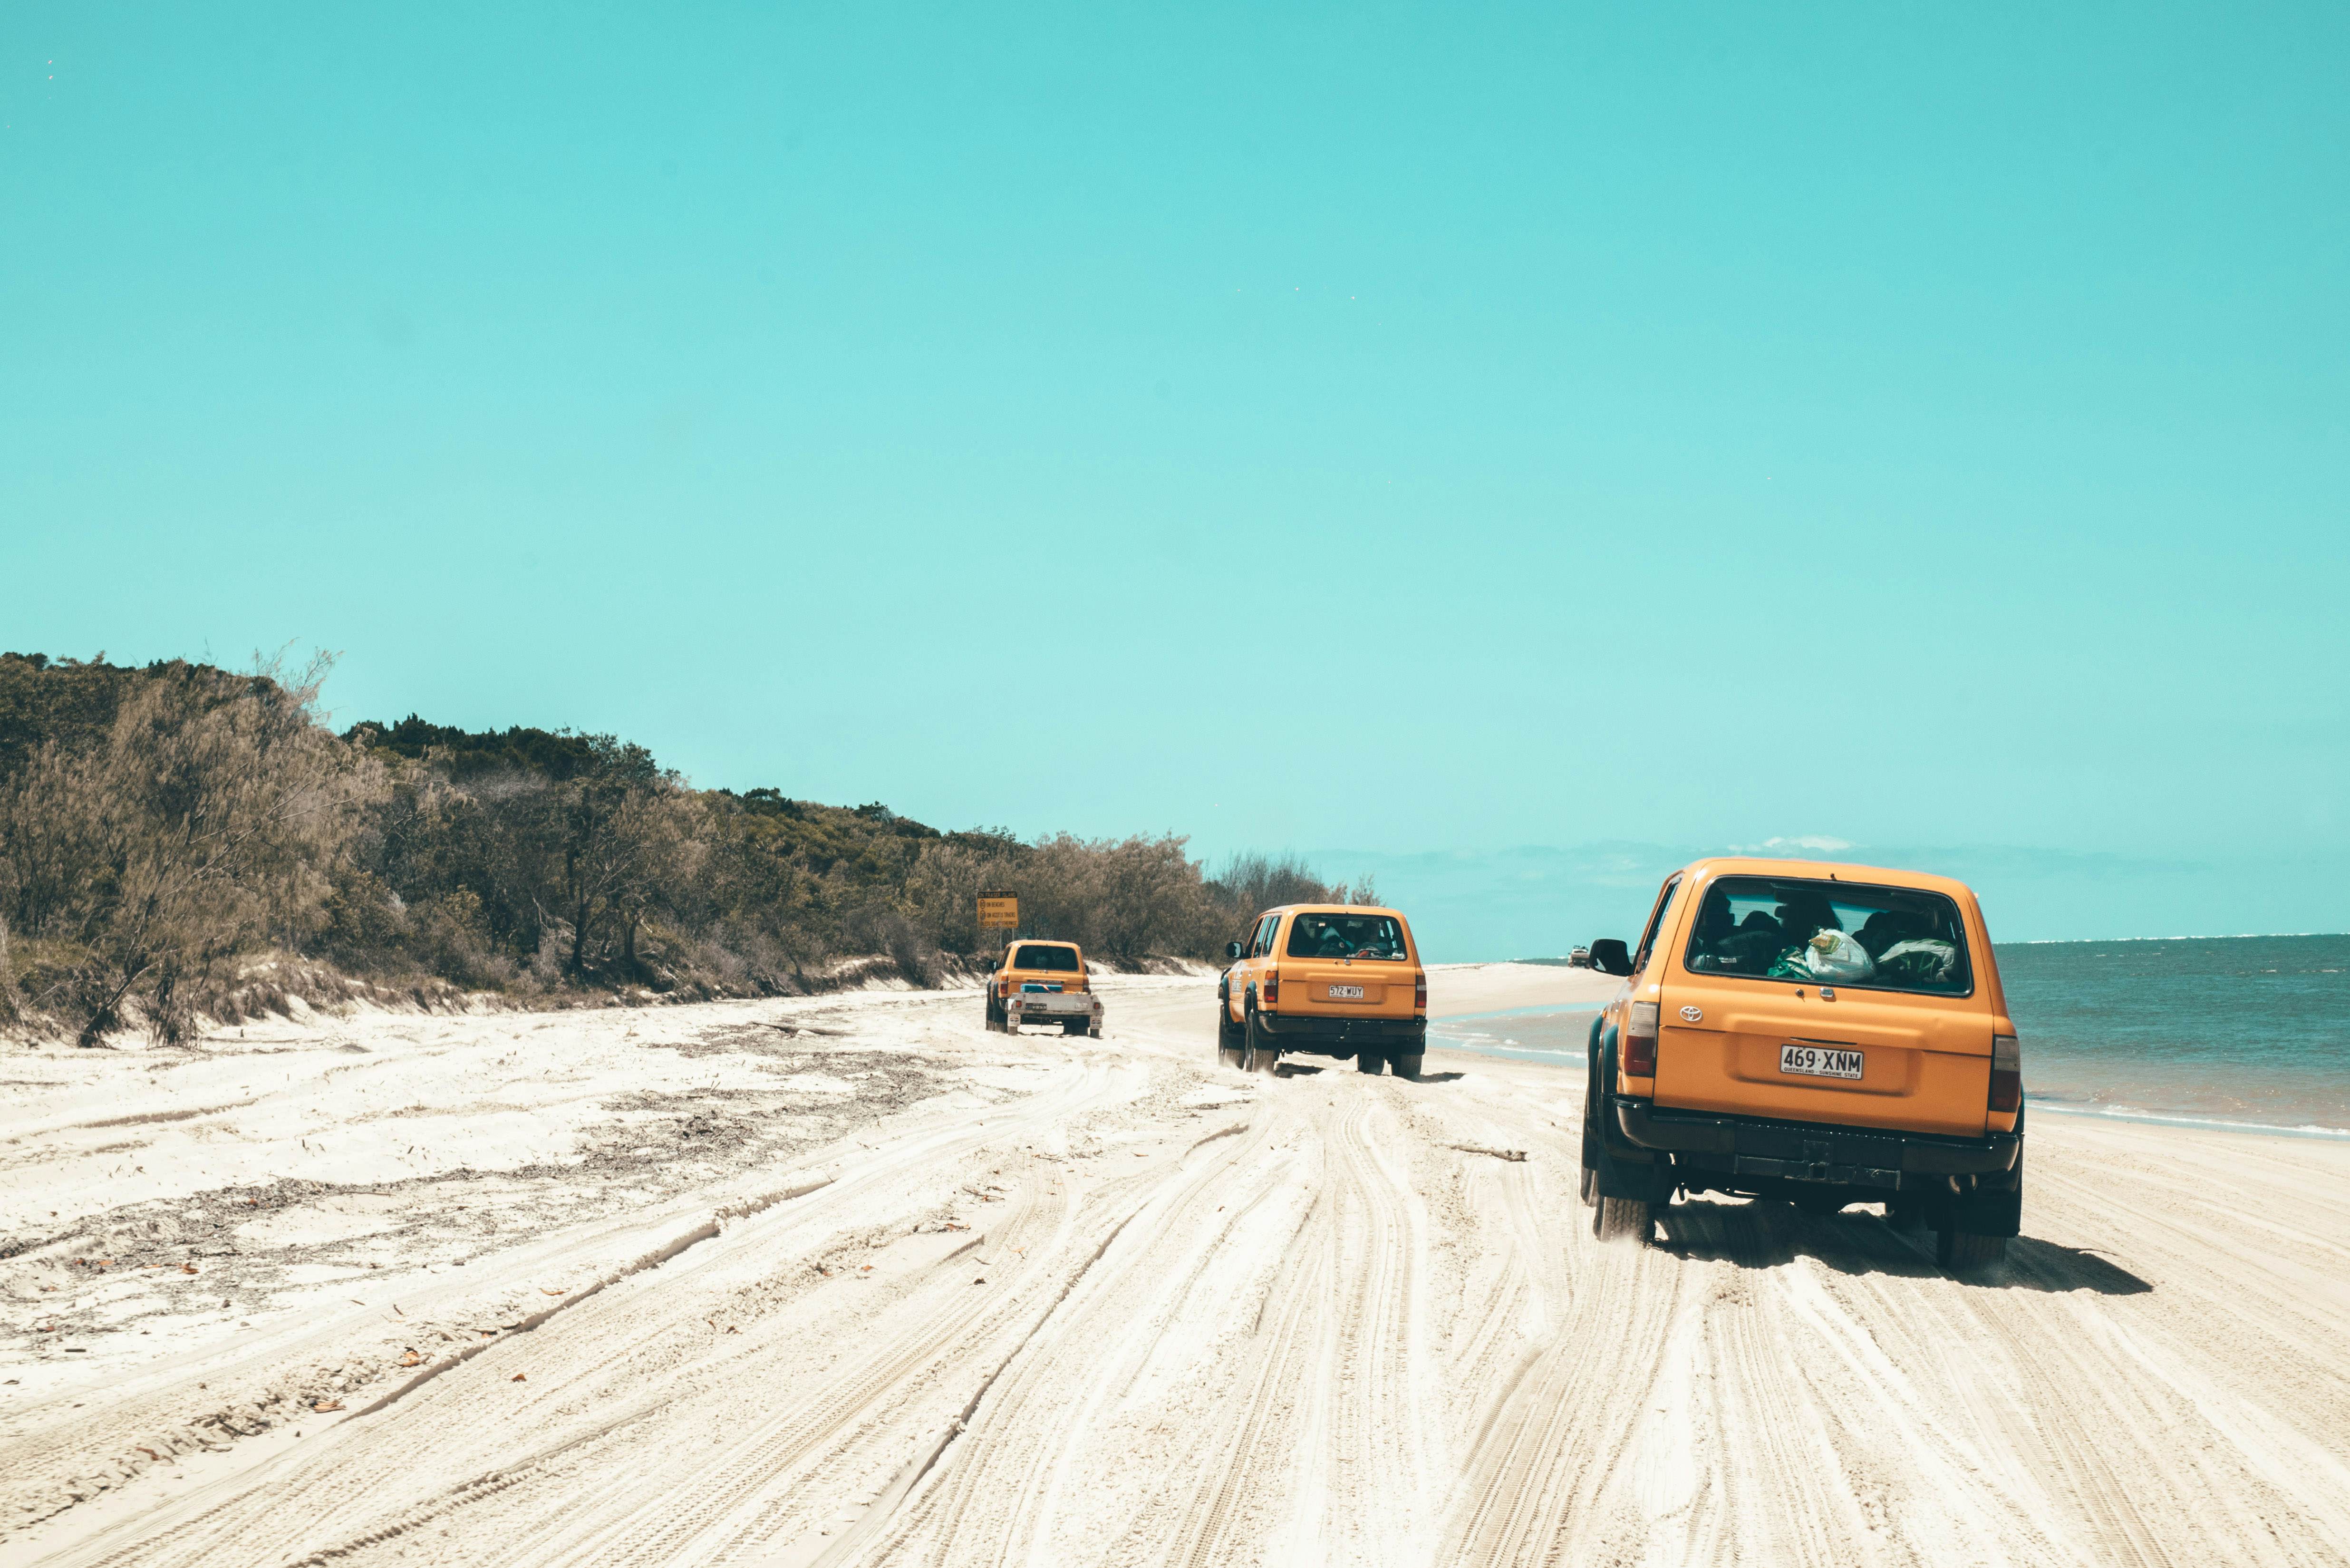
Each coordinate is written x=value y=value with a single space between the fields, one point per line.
x=1053 y=1005
x=1759 y=1148
x=1341 y=1036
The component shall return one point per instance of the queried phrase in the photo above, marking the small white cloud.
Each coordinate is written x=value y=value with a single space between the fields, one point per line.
x=1784 y=845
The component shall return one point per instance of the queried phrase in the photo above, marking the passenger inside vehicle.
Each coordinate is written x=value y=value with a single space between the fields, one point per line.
x=1346 y=937
x=1835 y=933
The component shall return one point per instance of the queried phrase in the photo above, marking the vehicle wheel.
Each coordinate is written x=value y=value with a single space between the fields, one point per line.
x=1369 y=1062
x=995 y=1019
x=1228 y=1036
x=1624 y=1219
x=1406 y=1063
x=1093 y=1031
x=1590 y=1187
x=1964 y=1251
x=1258 y=1055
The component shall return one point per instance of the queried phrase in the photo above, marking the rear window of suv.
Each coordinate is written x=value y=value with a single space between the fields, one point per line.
x=1045 y=958
x=1346 y=937
x=1805 y=931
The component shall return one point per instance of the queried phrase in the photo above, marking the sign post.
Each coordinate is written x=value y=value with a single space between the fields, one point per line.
x=999 y=911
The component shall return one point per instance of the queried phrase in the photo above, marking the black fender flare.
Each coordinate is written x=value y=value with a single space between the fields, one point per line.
x=1624 y=1169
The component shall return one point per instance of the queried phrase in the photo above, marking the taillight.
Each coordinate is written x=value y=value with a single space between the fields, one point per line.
x=1003 y=987
x=1272 y=986
x=1420 y=992
x=2006 y=1073
x=1640 y=1041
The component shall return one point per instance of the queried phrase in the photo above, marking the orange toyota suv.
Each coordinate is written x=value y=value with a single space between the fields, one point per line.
x=1824 y=1034
x=1328 y=980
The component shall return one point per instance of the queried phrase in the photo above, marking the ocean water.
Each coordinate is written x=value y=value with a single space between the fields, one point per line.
x=1557 y=1035
x=2251 y=1032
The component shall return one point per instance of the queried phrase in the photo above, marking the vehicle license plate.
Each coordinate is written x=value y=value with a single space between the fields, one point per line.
x=1819 y=1061
x=1346 y=993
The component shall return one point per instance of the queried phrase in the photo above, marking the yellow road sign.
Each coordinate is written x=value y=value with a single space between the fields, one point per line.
x=999 y=911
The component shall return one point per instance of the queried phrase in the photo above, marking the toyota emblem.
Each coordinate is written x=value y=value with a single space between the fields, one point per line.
x=1693 y=1014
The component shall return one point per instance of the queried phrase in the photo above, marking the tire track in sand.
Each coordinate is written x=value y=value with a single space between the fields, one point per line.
x=373 y=1481
x=1547 y=1455
x=1002 y=1493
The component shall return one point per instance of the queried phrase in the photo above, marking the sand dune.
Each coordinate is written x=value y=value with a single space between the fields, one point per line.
x=684 y=1287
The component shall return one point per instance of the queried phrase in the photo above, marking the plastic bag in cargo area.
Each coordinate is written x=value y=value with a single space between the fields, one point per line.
x=1831 y=958
x=1919 y=961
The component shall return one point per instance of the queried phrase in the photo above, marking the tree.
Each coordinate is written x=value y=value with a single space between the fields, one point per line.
x=203 y=825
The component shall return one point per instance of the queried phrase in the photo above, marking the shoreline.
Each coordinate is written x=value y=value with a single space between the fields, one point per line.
x=2057 y=1104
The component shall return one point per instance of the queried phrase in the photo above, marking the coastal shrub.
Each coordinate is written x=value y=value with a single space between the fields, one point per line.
x=180 y=840
x=200 y=824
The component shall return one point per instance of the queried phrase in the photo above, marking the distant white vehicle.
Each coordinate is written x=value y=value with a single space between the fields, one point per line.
x=1579 y=959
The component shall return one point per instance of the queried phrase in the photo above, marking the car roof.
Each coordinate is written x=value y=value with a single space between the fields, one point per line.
x=1333 y=910
x=1825 y=871
x=1041 y=942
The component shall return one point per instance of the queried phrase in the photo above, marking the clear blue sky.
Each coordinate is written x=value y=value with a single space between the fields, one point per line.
x=1405 y=430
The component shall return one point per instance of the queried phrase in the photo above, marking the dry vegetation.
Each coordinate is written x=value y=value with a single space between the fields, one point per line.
x=179 y=842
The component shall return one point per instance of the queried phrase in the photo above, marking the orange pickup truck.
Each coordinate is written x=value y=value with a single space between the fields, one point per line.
x=1328 y=980
x=1044 y=982
x=1822 y=1034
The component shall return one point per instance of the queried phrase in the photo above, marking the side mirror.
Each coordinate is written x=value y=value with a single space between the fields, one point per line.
x=1609 y=955
x=1232 y=949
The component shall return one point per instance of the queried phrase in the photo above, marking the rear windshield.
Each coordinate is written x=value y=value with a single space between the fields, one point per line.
x=1346 y=937
x=1831 y=933
x=1045 y=958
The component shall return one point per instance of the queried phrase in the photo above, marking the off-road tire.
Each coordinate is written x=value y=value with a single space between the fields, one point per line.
x=1369 y=1062
x=1093 y=1031
x=1406 y=1063
x=1258 y=1055
x=1624 y=1219
x=1964 y=1251
x=1590 y=1192
x=995 y=1019
x=1228 y=1036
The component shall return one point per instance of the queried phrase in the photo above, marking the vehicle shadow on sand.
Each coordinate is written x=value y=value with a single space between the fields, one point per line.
x=1765 y=1235
x=1308 y=1070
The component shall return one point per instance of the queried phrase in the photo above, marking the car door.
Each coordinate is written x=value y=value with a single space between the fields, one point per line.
x=1241 y=978
x=1260 y=954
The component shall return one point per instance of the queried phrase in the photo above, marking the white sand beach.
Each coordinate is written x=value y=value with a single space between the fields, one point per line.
x=849 y=1280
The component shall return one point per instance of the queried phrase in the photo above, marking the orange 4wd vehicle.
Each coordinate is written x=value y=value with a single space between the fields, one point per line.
x=1823 y=1035
x=1326 y=980
x=1044 y=982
